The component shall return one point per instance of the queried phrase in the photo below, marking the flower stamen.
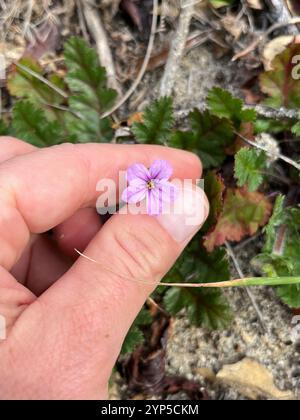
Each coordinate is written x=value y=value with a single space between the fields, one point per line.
x=150 y=185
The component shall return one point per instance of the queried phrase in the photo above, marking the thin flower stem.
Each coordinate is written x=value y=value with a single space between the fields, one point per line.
x=157 y=306
x=251 y=281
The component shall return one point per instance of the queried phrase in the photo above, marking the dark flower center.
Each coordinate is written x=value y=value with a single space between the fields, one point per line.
x=150 y=185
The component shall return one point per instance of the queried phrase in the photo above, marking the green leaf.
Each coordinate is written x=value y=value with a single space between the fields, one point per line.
x=221 y=3
x=30 y=124
x=296 y=129
x=290 y=295
x=275 y=221
x=90 y=97
x=209 y=138
x=216 y=312
x=157 y=123
x=24 y=85
x=273 y=265
x=288 y=262
x=176 y=299
x=204 y=307
x=86 y=78
x=249 y=165
x=271 y=126
x=91 y=129
x=135 y=336
x=280 y=84
x=4 y=129
x=224 y=105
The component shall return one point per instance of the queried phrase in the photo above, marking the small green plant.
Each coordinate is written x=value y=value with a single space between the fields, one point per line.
x=50 y=109
x=53 y=110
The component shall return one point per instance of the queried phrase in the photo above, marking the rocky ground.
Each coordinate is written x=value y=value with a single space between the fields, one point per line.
x=254 y=358
x=243 y=361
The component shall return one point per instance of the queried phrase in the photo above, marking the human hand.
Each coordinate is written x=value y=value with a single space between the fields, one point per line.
x=66 y=317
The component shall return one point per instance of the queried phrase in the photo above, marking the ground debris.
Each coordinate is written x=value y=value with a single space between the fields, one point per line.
x=253 y=380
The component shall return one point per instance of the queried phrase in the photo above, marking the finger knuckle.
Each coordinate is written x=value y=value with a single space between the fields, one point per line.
x=141 y=252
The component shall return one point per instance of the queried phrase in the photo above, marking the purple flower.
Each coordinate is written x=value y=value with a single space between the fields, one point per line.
x=151 y=184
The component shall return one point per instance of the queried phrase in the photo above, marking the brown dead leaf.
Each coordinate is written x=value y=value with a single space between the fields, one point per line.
x=275 y=47
x=255 y=4
x=234 y=26
x=12 y=51
x=250 y=97
x=136 y=117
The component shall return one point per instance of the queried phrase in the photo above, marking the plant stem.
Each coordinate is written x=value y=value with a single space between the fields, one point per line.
x=258 y=146
x=250 y=281
x=42 y=79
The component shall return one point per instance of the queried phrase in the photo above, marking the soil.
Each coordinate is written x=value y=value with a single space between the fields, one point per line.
x=191 y=349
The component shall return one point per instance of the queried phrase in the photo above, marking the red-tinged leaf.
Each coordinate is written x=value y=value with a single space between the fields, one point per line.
x=243 y=213
x=296 y=311
x=282 y=83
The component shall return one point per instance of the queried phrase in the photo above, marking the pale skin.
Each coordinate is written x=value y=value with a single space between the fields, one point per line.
x=67 y=317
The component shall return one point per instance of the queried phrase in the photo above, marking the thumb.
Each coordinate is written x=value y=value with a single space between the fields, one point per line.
x=94 y=305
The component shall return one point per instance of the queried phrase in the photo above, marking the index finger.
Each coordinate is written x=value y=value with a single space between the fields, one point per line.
x=42 y=189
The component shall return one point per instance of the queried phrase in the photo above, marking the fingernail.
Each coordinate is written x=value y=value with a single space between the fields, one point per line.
x=187 y=214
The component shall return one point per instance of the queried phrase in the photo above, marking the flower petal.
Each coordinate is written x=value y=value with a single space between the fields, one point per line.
x=154 y=203
x=138 y=170
x=168 y=192
x=133 y=194
x=160 y=169
x=138 y=183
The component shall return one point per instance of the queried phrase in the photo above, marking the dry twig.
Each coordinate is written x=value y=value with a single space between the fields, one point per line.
x=241 y=275
x=177 y=49
x=262 y=110
x=97 y=31
x=258 y=146
x=282 y=13
x=81 y=20
x=261 y=39
x=144 y=65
